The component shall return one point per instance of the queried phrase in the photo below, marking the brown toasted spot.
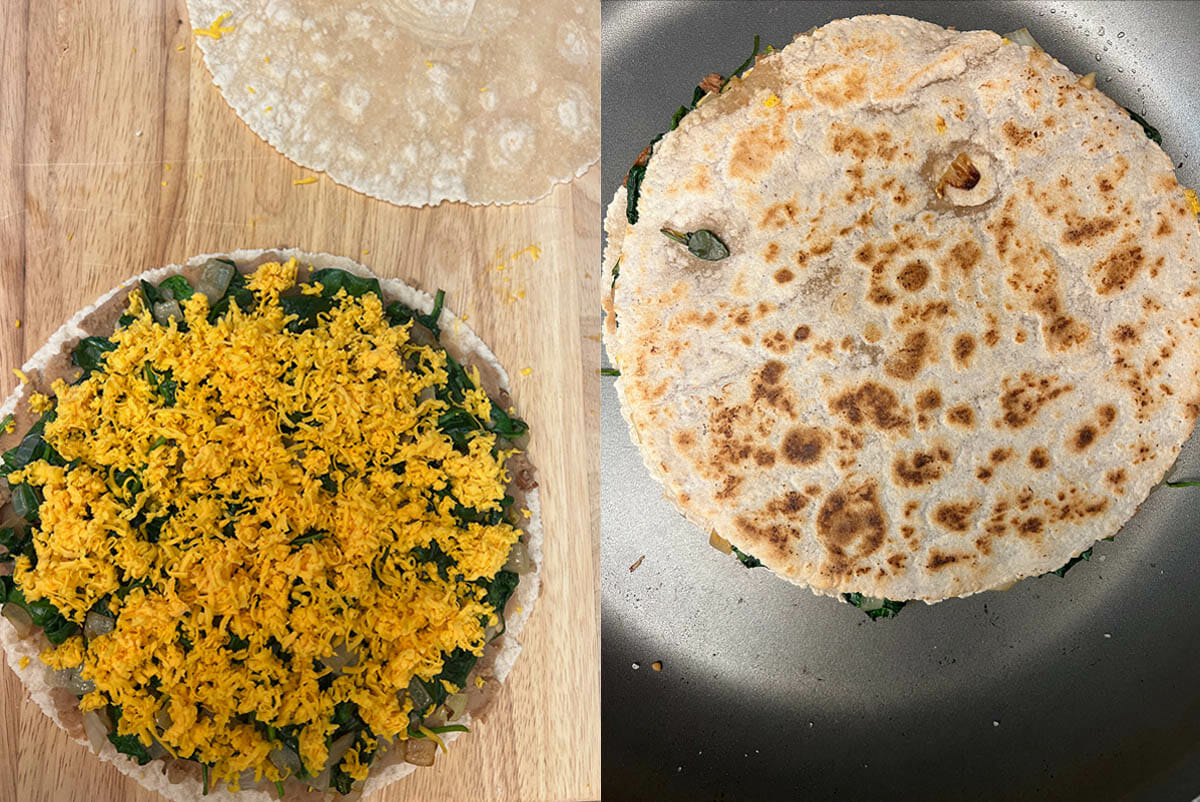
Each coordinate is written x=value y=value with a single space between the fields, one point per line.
x=983 y=474
x=1039 y=458
x=849 y=515
x=991 y=337
x=771 y=253
x=865 y=253
x=1107 y=414
x=764 y=457
x=1116 y=478
x=1088 y=230
x=906 y=363
x=801 y=333
x=872 y=403
x=954 y=515
x=964 y=347
x=787 y=505
x=783 y=275
x=961 y=415
x=1017 y=136
x=685 y=439
x=803 y=445
x=771 y=371
x=1084 y=437
x=1031 y=526
x=913 y=276
x=897 y=561
x=999 y=455
x=742 y=317
x=938 y=560
x=1104 y=185
x=880 y=296
x=1119 y=269
x=780 y=215
x=755 y=149
x=920 y=468
x=965 y=255
x=730 y=488
x=1022 y=402
x=1125 y=334
x=823 y=248
x=929 y=399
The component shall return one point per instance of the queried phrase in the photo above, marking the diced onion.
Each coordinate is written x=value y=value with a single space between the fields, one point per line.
x=162 y=719
x=96 y=624
x=519 y=560
x=97 y=733
x=19 y=618
x=157 y=752
x=456 y=705
x=420 y=697
x=166 y=311
x=342 y=656
x=71 y=679
x=1023 y=37
x=214 y=280
x=338 y=750
x=285 y=760
x=420 y=752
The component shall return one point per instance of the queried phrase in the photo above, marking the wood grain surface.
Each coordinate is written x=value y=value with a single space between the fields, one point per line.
x=118 y=154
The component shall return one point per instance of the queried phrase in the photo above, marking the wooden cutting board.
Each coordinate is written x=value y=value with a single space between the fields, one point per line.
x=118 y=154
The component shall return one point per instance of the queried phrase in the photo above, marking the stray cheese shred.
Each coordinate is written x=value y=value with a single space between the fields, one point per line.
x=287 y=503
x=216 y=28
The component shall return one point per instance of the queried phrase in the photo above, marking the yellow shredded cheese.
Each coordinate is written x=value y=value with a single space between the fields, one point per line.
x=526 y=371
x=40 y=403
x=17 y=323
x=312 y=179
x=20 y=374
x=24 y=661
x=298 y=482
x=772 y=100
x=941 y=125
x=479 y=683
x=1193 y=201
x=216 y=28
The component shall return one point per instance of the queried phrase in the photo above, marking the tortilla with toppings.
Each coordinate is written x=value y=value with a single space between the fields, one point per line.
x=264 y=527
x=905 y=312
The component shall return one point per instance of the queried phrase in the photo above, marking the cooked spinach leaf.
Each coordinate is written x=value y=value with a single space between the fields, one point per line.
x=702 y=243
x=332 y=279
x=1150 y=130
x=1071 y=563
x=179 y=287
x=89 y=353
x=873 y=607
x=129 y=745
x=1187 y=483
x=747 y=560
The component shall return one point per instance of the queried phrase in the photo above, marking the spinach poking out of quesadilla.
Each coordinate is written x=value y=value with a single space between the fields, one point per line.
x=633 y=179
x=269 y=530
x=873 y=607
x=702 y=244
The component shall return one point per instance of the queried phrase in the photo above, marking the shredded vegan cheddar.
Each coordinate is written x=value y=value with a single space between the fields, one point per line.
x=255 y=497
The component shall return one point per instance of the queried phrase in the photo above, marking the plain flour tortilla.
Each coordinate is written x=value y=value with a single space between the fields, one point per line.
x=180 y=780
x=414 y=101
x=884 y=391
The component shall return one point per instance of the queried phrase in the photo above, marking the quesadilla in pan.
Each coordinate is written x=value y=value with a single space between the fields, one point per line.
x=904 y=312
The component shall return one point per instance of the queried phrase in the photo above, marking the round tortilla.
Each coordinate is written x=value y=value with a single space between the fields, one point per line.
x=887 y=391
x=413 y=101
x=180 y=780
